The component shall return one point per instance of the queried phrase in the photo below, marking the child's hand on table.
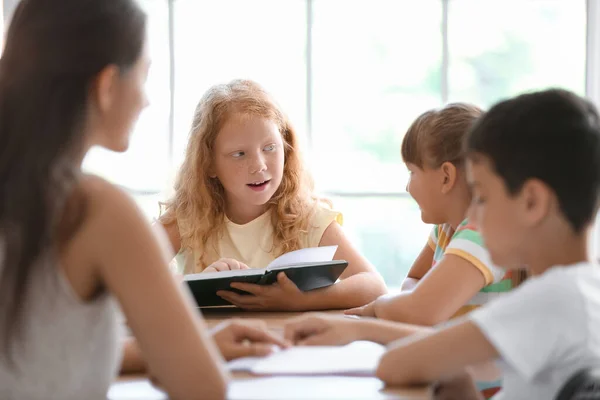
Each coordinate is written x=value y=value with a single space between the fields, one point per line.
x=320 y=329
x=242 y=338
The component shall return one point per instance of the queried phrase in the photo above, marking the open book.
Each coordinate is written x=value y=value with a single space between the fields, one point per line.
x=358 y=358
x=309 y=269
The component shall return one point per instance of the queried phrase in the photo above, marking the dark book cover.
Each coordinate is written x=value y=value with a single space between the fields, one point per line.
x=307 y=276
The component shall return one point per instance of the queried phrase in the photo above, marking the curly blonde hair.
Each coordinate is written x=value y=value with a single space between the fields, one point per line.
x=198 y=205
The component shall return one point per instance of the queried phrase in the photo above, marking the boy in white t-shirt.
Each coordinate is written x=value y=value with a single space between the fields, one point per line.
x=534 y=168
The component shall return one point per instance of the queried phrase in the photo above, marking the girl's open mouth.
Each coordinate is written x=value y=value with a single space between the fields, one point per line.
x=259 y=186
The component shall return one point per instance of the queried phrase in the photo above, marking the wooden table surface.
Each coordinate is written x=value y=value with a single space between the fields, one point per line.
x=249 y=387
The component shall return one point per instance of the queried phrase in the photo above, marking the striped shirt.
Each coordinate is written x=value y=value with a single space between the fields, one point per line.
x=467 y=243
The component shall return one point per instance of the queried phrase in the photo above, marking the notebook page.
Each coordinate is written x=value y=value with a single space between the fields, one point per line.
x=302 y=256
x=357 y=358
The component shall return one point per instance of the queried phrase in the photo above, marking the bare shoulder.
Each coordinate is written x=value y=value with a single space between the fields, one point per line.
x=106 y=200
x=111 y=214
x=332 y=234
x=99 y=191
x=104 y=217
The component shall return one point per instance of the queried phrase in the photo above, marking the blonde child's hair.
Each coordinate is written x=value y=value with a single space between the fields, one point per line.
x=198 y=205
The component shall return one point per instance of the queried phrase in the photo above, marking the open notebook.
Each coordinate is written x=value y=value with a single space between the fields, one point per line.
x=359 y=358
x=309 y=269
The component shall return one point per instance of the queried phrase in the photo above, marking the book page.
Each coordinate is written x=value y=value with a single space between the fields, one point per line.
x=357 y=358
x=223 y=274
x=303 y=256
x=243 y=364
x=135 y=389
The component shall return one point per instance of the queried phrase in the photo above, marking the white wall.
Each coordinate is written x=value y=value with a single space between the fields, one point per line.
x=593 y=82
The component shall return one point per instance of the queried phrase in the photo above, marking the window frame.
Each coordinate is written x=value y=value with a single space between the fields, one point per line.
x=592 y=77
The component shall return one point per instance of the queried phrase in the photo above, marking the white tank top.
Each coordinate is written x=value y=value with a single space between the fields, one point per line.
x=68 y=349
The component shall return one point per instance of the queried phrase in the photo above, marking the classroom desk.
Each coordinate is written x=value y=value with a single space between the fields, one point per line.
x=275 y=320
x=249 y=387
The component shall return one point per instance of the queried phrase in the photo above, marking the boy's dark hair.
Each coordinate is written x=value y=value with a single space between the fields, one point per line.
x=551 y=135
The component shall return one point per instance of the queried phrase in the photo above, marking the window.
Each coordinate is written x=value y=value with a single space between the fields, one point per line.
x=372 y=75
x=515 y=46
x=376 y=71
x=392 y=61
x=387 y=230
x=352 y=75
x=217 y=41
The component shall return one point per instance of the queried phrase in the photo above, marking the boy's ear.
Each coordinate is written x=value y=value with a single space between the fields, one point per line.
x=537 y=201
x=449 y=176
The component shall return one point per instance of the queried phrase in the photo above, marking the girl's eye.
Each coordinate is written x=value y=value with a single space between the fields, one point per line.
x=237 y=154
x=270 y=147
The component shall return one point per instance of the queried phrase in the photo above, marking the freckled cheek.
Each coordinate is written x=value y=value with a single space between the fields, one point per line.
x=241 y=171
x=275 y=163
x=233 y=173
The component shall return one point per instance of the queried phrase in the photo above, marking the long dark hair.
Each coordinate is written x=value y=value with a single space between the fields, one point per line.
x=54 y=51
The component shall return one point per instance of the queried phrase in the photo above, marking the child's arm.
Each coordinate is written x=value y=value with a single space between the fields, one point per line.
x=461 y=387
x=427 y=357
x=320 y=329
x=438 y=296
x=533 y=328
x=420 y=267
x=232 y=337
x=359 y=284
x=133 y=360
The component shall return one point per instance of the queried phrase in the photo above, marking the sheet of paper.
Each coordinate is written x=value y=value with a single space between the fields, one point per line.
x=308 y=255
x=136 y=389
x=309 y=387
x=357 y=358
x=243 y=364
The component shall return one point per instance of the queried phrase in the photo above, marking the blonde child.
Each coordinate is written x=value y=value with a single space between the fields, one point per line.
x=243 y=197
x=453 y=273
x=534 y=166
x=73 y=246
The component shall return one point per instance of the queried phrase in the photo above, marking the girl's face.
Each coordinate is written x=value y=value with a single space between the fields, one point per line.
x=248 y=161
x=425 y=186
